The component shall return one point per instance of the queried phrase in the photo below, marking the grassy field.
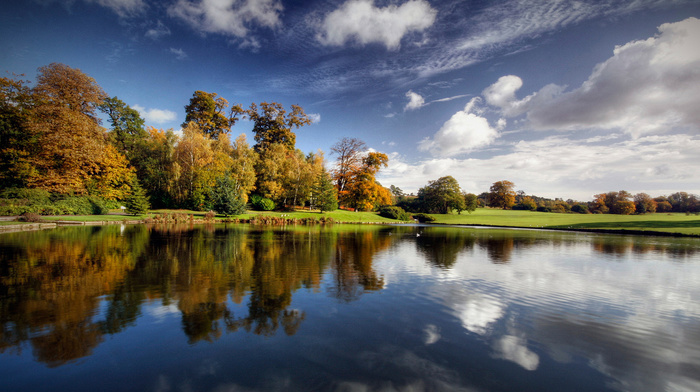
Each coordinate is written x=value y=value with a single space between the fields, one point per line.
x=663 y=222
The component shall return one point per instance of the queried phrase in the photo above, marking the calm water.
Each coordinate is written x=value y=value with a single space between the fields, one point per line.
x=347 y=308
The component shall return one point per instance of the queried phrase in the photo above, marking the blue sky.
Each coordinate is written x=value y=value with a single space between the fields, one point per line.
x=564 y=98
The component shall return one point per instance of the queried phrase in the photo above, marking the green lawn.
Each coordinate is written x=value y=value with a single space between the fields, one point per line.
x=662 y=222
x=665 y=222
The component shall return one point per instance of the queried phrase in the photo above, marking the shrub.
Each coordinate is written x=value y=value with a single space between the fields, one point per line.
x=262 y=203
x=210 y=215
x=423 y=218
x=393 y=212
x=29 y=217
x=580 y=208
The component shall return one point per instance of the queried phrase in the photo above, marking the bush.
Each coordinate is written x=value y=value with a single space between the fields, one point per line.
x=393 y=212
x=29 y=217
x=262 y=203
x=580 y=208
x=423 y=218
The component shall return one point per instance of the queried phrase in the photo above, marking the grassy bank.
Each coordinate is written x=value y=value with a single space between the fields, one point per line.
x=662 y=222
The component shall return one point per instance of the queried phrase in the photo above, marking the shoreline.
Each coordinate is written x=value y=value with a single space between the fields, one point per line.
x=34 y=226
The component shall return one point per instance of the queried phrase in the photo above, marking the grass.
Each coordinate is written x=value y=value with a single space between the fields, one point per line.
x=662 y=222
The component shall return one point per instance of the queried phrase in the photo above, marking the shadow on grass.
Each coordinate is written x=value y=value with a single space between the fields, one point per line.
x=639 y=225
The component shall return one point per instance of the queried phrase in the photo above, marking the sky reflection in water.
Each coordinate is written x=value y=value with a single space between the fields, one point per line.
x=347 y=308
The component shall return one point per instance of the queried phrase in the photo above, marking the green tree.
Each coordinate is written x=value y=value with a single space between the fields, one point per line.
x=158 y=171
x=17 y=142
x=226 y=197
x=128 y=133
x=273 y=125
x=470 y=202
x=325 y=195
x=208 y=112
x=502 y=195
x=136 y=201
x=441 y=196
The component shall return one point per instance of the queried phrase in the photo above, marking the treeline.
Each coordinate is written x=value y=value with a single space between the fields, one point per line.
x=445 y=195
x=53 y=147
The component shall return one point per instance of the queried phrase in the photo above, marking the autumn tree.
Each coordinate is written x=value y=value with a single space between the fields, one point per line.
x=441 y=196
x=157 y=173
x=192 y=156
x=209 y=113
x=502 y=195
x=362 y=190
x=273 y=125
x=65 y=120
x=643 y=203
x=244 y=159
x=349 y=152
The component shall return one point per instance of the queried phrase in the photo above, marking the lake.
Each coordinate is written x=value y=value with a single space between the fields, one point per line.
x=347 y=308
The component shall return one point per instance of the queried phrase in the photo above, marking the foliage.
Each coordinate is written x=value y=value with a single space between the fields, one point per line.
x=128 y=133
x=349 y=153
x=362 y=191
x=136 y=202
x=471 y=202
x=260 y=203
x=17 y=143
x=643 y=204
x=526 y=203
x=243 y=162
x=273 y=125
x=394 y=212
x=226 y=198
x=441 y=196
x=207 y=111
x=580 y=208
x=326 y=195
x=502 y=194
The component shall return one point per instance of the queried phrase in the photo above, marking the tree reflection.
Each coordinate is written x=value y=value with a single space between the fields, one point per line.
x=63 y=290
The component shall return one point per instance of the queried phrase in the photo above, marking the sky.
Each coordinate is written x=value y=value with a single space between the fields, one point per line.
x=564 y=98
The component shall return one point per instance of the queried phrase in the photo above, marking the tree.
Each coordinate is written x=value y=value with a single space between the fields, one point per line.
x=136 y=202
x=71 y=142
x=128 y=133
x=193 y=156
x=243 y=166
x=325 y=195
x=273 y=125
x=526 y=203
x=644 y=203
x=17 y=143
x=226 y=197
x=362 y=190
x=502 y=194
x=441 y=196
x=157 y=173
x=470 y=202
x=349 y=153
x=208 y=112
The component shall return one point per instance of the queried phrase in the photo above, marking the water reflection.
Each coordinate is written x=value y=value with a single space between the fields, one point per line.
x=363 y=307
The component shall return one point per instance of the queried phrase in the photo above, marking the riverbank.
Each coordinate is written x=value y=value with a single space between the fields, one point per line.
x=650 y=224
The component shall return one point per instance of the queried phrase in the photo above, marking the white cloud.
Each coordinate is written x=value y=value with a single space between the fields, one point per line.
x=123 y=8
x=415 y=101
x=156 y=116
x=229 y=17
x=179 y=53
x=646 y=87
x=158 y=32
x=462 y=133
x=558 y=166
x=315 y=117
x=513 y=348
x=363 y=22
